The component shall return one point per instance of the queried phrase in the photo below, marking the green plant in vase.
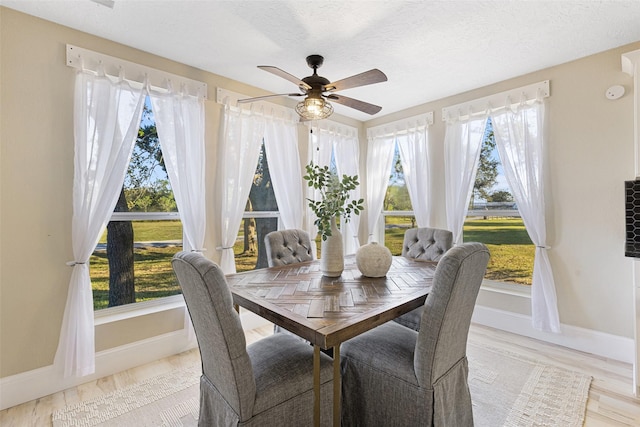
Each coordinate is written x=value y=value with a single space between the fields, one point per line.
x=334 y=197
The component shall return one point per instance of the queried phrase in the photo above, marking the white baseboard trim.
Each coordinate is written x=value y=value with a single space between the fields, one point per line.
x=30 y=385
x=595 y=342
x=34 y=384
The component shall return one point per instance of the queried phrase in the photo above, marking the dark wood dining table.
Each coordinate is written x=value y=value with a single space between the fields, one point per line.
x=328 y=311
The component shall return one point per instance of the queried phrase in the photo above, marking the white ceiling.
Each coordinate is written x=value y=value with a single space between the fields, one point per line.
x=428 y=49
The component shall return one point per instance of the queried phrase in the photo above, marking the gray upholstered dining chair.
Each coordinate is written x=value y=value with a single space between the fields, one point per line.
x=426 y=244
x=285 y=247
x=393 y=375
x=268 y=383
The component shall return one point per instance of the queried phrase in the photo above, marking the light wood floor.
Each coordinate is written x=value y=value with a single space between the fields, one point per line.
x=611 y=401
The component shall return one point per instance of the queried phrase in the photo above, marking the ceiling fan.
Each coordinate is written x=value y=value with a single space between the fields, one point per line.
x=318 y=89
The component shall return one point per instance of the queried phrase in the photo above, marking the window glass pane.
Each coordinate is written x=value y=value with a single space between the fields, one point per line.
x=155 y=243
x=132 y=262
x=494 y=220
x=249 y=247
x=397 y=199
x=394 y=229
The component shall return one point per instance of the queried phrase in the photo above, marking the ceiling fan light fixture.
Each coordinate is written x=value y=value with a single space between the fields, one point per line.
x=314 y=109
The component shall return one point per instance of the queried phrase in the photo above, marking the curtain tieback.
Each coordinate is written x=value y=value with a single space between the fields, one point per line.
x=222 y=248
x=543 y=247
x=72 y=263
x=199 y=250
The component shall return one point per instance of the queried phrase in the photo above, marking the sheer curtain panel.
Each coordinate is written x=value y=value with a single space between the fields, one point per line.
x=347 y=153
x=519 y=135
x=379 y=159
x=241 y=137
x=320 y=149
x=462 y=144
x=281 y=146
x=414 y=156
x=180 y=122
x=106 y=121
x=341 y=141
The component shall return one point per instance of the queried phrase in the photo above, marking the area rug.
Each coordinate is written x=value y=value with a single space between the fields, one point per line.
x=506 y=389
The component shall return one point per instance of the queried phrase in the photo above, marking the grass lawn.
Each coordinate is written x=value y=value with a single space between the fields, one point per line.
x=511 y=255
x=511 y=249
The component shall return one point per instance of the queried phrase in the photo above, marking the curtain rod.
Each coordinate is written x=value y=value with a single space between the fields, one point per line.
x=498 y=100
x=80 y=58
x=399 y=126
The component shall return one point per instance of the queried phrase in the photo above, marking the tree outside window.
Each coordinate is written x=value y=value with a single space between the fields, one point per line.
x=260 y=218
x=132 y=262
x=493 y=220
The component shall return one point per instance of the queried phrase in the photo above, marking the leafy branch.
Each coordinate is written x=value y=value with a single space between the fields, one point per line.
x=334 y=195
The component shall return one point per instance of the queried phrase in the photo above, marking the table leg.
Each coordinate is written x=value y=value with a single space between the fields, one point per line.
x=316 y=385
x=336 y=386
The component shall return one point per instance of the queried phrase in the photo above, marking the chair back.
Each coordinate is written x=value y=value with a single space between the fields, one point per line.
x=285 y=247
x=427 y=244
x=223 y=348
x=444 y=328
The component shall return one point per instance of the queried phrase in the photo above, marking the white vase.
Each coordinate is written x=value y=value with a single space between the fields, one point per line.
x=332 y=253
x=373 y=260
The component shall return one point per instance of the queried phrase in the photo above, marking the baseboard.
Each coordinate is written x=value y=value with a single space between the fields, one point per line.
x=581 y=339
x=34 y=384
x=30 y=385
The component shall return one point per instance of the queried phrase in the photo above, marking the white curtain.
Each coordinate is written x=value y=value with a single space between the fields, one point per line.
x=106 y=121
x=281 y=146
x=519 y=138
x=462 y=144
x=342 y=141
x=180 y=122
x=414 y=156
x=320 y=149
x=380 y=152
x=347 y=153
x=241 y=136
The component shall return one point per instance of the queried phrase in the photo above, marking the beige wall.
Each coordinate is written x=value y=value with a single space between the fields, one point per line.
x=590 y=155
x=36 y=167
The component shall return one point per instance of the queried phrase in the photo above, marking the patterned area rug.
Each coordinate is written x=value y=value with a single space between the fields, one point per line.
x=507 y=390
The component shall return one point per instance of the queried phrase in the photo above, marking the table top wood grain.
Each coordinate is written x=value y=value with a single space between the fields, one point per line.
x=328 y=311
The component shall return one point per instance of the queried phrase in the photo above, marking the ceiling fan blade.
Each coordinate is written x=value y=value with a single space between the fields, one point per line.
x=365 y=107
x=280 y=73
x=362 y=79
x=260 y=98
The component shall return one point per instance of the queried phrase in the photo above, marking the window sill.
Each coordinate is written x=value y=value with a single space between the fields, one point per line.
x=514 y=289
x=129 y=311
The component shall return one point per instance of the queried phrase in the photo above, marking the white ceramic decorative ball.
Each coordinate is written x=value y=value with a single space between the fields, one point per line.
x=373 y=260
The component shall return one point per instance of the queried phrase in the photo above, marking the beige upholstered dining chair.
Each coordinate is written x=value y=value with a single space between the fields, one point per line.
x=285 y=247
x=426 y=244
x=267 y=383
x=393 y=375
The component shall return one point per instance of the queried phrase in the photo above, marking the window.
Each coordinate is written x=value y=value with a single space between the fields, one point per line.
x=259 y=219
x=494 y=220
x=132 y=261
x=397 y=209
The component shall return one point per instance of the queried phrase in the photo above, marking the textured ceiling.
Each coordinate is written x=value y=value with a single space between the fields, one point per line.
x=428 y=49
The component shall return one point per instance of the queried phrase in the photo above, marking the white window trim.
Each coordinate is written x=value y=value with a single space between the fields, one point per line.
x=129 y=311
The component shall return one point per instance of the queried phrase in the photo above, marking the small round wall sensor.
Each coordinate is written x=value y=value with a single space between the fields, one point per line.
x=614 y=92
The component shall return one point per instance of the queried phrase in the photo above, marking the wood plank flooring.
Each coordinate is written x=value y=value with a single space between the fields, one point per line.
x=611 y=402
